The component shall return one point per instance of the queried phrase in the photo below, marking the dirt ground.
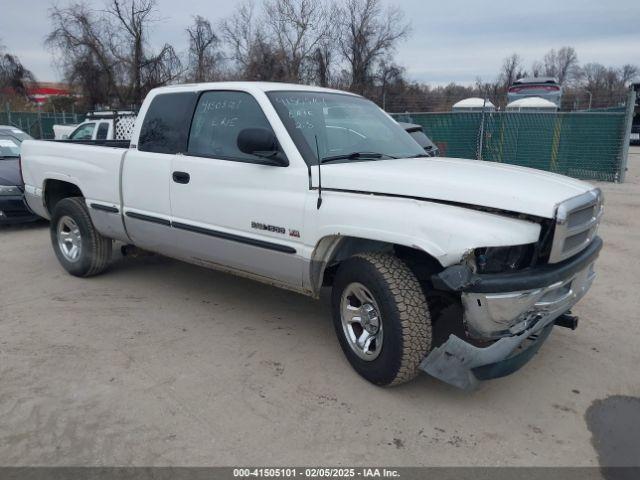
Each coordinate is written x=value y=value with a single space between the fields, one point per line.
x=162 y=363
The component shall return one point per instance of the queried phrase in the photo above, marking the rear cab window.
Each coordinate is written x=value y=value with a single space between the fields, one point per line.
x=165 y=128
x=103 y=131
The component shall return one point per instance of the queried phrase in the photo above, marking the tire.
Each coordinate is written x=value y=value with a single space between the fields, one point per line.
x=70 y=220
x=400 y=308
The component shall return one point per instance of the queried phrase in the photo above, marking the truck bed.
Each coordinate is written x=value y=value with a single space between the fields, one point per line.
x=95 y=165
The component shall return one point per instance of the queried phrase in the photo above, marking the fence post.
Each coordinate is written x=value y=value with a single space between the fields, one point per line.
x=40 y=123
x=628 y=119
x=480 y=143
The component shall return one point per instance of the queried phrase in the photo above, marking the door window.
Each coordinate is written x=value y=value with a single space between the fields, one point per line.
x=103 y=131
x=218 y=120
x=83 y=132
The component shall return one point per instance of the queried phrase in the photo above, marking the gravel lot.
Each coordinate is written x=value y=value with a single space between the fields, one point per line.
x=158 y=362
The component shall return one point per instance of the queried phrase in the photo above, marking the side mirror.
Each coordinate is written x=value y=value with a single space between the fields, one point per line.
x=65 y=137
x=261 y=143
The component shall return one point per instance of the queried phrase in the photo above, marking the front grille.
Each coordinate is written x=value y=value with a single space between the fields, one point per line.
x=581 y=217
x=576 y=226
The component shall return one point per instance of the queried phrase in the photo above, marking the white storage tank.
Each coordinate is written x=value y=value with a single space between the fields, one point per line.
x=532 y=104
x=473 y=104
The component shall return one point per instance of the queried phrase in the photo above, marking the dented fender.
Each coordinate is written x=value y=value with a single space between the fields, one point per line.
x=445 y=232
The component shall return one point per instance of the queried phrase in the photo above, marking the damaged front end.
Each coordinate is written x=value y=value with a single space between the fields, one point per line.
x=507 y=316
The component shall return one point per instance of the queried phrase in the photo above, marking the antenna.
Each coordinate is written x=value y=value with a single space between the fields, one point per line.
x=319 y=174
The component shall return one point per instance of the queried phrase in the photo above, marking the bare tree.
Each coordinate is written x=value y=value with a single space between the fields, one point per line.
x=241 y=34
x=203 y=57
x=537 y=69
x=511 y=71
x=388 y=73
x=489 y=90
x=160 y=69
x=266 y=63
x=567 y=64
x=562 y=64
x=256 y=57
x=321 y=70
x=298 y=29
x=133 y=18
x=13 y=75
x=607 y=85
x=549 y=67
x=628 y=73
x=106 y=52
x=322 y=59
x=81 y=40
x=367 y=34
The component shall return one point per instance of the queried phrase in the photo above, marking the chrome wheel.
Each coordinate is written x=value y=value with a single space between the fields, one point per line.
x=361 y=321
x=69 y=238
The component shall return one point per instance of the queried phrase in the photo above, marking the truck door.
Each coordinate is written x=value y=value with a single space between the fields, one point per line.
x=230 y=208
x=146 y=172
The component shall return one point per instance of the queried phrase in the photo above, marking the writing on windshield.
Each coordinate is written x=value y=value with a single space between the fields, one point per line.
x=341 y=125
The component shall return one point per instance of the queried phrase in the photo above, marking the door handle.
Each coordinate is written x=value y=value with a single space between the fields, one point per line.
x=181 y=177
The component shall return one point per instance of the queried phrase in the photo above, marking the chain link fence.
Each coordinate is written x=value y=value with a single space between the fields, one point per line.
x=591 y=145
x=588 y=145
x=39 y=124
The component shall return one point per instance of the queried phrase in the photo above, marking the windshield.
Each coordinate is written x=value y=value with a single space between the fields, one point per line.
x=9 y=146
x=343 y=125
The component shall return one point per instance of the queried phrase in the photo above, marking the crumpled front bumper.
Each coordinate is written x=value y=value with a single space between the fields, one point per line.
x=512 y=313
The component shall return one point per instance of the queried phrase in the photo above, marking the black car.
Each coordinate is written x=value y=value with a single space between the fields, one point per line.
x=635 y=122
x=13 y=208
x=635 y=131
x=417 y=133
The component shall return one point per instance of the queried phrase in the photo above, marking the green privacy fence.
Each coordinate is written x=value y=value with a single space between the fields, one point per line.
x=592 y=145
x=38 y=124
x=588 y=145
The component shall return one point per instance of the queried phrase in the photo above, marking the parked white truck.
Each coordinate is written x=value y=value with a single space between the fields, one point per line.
x=459 y=268
x=106 y=125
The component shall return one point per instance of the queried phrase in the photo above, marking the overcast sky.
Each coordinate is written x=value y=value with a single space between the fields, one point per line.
x=451 y=40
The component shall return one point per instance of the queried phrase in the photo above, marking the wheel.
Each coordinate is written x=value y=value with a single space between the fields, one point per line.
x=80 y=249
x=381 y=318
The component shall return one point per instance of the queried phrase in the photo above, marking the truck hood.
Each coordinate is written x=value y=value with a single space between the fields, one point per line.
x=473 y=182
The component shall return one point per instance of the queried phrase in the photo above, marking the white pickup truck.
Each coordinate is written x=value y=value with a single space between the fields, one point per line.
x=106 y=125
x=458 y=268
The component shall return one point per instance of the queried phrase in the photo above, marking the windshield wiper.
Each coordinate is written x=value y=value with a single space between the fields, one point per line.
x=355 y=155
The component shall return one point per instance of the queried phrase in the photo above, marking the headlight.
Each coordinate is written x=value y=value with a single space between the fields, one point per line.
x=10 y=190
x=503 y=259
